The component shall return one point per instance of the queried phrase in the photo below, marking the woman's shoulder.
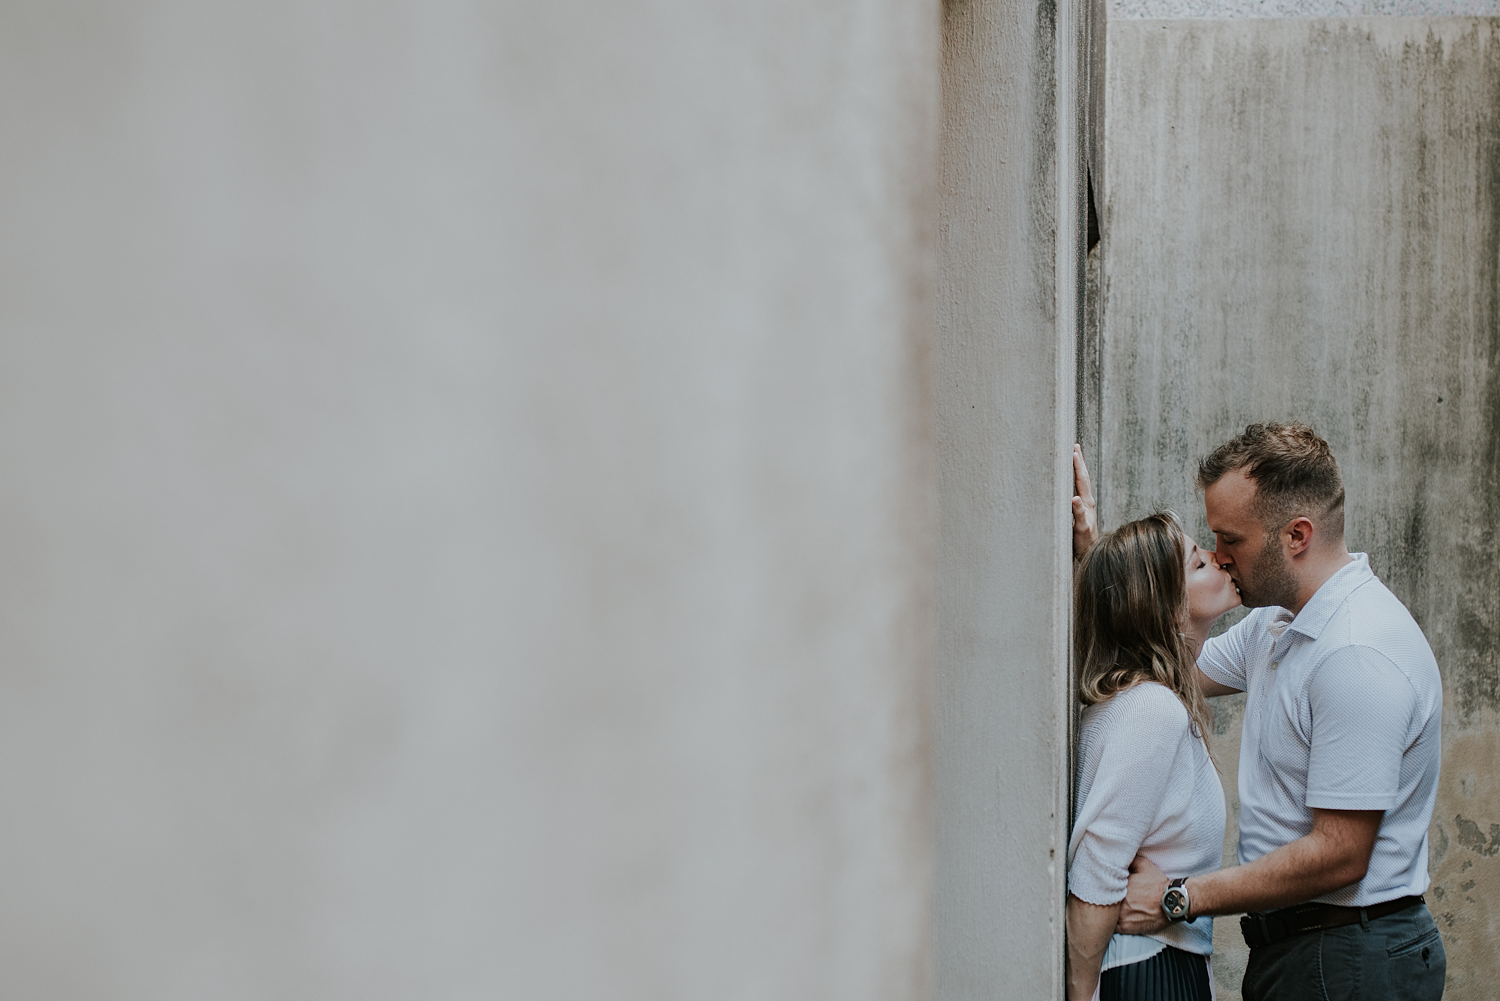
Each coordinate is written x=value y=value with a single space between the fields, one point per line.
x=1143 y=702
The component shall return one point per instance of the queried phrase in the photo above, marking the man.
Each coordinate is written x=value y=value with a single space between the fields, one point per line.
x=1341 y=745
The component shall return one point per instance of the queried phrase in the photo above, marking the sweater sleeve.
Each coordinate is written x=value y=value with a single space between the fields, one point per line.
x=1136 y=753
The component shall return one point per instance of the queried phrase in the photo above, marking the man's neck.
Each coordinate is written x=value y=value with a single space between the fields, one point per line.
x=1313 y=576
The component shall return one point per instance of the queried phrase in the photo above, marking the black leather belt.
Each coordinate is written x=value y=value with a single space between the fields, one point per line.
x=1269 y=927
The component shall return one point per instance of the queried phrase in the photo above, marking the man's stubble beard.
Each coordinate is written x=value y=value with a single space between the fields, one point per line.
x=1272 y=583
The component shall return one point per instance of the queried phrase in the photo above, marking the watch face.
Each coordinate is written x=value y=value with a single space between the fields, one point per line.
x=1174 y=902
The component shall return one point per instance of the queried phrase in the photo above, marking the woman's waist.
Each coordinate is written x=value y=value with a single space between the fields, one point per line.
x=1185 y=856
x=1123 y=950
x=1195 y=936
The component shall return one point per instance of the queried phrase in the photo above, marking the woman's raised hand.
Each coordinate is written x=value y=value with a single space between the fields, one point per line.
x=1085 y=518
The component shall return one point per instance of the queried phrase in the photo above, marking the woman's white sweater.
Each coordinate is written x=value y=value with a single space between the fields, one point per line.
x=1147 y=786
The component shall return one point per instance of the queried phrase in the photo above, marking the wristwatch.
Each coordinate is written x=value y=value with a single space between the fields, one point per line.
x=1174 y=902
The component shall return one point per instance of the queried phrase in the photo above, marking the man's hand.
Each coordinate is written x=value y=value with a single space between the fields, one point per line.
x=1085 y=517
x=1141 y=914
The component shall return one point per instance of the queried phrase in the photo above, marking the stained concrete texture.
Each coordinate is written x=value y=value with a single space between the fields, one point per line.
x=466 y=500
x=1302 y=220
x=1010 y=248
x=1140 y=9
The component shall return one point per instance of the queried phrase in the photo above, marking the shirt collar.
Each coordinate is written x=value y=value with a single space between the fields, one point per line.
x=1327 y=599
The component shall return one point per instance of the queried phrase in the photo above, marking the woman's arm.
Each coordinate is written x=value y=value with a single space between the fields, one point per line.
x=1089 y=928
x=1085 y=518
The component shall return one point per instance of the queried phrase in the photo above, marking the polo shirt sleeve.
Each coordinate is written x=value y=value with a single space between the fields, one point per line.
x=1361 y=706
x=1135 y=769
x=1223 y=658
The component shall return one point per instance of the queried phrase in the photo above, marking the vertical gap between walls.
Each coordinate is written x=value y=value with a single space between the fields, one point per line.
x=1071 y=246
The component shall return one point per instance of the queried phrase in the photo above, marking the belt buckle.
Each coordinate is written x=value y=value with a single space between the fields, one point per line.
x=1256 y=929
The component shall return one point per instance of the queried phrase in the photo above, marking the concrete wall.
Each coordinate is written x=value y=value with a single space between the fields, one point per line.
x=1010 y=281
x=1219 y=9
x=467 y=499
x=1302 y=220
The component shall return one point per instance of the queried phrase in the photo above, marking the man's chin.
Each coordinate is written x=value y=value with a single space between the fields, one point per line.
x=1253 y=601
x=1250 y=599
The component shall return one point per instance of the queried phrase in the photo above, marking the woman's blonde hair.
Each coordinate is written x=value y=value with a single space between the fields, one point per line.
x=1131 y=612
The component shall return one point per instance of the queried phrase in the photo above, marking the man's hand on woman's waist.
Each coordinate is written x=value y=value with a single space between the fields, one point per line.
x=1335 y=855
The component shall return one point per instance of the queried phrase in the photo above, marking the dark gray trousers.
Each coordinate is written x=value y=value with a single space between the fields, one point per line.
x=1395 y=958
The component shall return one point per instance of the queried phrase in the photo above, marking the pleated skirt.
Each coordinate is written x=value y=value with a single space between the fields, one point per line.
x=1170 y=975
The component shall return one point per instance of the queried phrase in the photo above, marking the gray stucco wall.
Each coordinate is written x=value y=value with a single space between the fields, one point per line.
x=1011 y=221
x=1302 y=220
x=467 y=503
x=1138 y=9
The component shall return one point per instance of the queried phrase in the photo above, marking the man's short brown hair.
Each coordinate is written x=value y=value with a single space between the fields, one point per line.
x=1294 y=472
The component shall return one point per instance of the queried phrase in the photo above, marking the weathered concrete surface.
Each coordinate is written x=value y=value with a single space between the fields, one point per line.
x=1302 y=220
x=1010 y=251
x=1137 y=9
x=467 y=501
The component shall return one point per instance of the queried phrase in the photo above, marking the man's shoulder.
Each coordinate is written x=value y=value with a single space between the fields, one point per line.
x=1375 y=627
x=1372 y=616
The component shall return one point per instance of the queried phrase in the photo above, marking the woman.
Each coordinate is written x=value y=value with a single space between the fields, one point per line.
x=1147 y=596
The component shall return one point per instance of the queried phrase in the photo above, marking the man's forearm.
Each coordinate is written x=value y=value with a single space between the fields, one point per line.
x=1211 y=688
x=1334 y=855
x=1280 y=879
x=1304 y=869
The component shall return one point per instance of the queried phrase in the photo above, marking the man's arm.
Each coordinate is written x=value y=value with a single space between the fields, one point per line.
x=1225 y=657
x=1212 y=688
x=1334 y=855
x=1089 y=929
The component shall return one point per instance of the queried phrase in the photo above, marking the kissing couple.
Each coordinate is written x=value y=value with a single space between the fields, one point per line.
x=1339 y=756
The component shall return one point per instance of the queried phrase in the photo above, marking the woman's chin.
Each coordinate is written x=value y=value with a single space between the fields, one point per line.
x=1232 y=601
x=1217 y=612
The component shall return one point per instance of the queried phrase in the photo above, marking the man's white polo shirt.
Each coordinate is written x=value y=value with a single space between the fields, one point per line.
x=1343 y=711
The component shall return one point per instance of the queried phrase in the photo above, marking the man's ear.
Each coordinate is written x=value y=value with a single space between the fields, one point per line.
x=1297 y=535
